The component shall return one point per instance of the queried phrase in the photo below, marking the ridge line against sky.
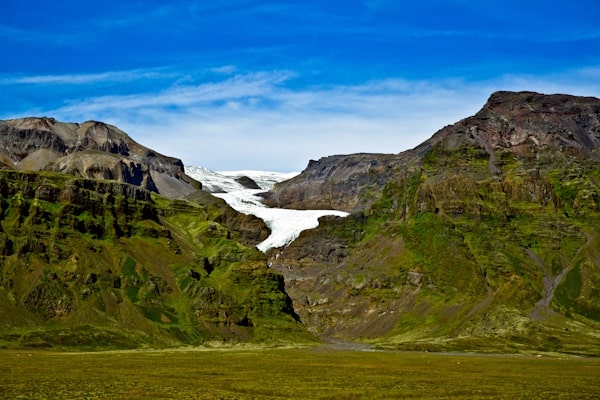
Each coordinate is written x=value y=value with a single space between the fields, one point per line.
x=245 y=84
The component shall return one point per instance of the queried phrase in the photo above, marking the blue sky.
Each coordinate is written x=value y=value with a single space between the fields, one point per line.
x=234 y=84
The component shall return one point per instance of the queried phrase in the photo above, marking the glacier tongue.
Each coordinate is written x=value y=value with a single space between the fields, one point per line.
x=224 y=181
x=286 y=225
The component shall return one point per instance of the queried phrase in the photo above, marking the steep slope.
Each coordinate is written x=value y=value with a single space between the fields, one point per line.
x=485 y=237
x=100 y=264
x=91 y=150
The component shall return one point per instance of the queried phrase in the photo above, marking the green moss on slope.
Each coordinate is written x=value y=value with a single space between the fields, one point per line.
x=456 y=254
x=95 y=264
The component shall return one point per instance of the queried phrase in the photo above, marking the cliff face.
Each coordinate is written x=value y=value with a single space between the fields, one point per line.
x=485 y=236
x=91 y=150
x=93 y=264
x=528 y=126
x=335 y=182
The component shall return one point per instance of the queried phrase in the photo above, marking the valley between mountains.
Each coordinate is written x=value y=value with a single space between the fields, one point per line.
x=486 y=237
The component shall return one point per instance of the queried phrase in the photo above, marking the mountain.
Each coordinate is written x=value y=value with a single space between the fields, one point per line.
x=91 y=150
x=523 y=125
x=484 y=237
x=100 y=263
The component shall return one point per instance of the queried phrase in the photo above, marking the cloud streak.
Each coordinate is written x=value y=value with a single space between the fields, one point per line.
x=225 y=94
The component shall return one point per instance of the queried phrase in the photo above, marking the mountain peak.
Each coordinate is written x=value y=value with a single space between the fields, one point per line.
x=525 y=125
x=530 y=122
x=91 y=149
x=536 y=101
x=486 y=233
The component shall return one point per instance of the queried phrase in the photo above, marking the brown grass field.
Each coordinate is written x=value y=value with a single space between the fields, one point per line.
x=305 y=373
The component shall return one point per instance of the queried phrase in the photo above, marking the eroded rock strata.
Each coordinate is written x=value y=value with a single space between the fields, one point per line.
x=92 y=150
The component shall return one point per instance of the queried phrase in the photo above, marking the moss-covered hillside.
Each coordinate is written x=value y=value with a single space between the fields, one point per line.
x=100 y=264
x=486 y=237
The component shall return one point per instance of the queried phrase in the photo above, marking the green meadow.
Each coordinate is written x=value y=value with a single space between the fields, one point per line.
x=300 y=373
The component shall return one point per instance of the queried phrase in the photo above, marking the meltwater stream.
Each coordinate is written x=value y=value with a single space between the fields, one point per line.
x=286 y=225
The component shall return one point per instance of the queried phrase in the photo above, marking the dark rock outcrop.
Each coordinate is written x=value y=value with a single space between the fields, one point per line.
x=247 y=182
x=91 y=150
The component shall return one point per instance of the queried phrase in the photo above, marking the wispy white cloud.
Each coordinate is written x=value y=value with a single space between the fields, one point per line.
x=224 y=70
x=529 y=36
x=211 y=95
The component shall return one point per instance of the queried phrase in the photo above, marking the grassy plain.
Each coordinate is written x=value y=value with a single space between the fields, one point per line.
x=305 y=373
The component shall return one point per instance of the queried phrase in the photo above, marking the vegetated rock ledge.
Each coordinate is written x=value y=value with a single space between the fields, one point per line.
x=39 y=186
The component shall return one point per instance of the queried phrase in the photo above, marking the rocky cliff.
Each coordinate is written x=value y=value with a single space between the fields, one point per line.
x=92 y=264
x=484 y=237
x=91 y=150
x=343 y=182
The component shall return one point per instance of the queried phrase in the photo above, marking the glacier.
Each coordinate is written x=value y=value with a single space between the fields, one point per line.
x=285 y=224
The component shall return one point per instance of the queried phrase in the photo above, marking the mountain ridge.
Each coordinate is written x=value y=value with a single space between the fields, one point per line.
x=92 y=150
x=343 y=181
x=105 y=243
x=483 y=237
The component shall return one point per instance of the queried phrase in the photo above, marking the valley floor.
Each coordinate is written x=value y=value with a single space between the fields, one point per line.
x=303 y=373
